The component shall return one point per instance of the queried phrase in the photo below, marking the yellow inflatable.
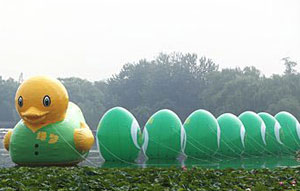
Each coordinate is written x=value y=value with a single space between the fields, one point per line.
x=52 y=130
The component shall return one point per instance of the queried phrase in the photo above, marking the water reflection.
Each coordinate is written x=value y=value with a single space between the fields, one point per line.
x=236 y=163
x=163 y=163
x=116 y=164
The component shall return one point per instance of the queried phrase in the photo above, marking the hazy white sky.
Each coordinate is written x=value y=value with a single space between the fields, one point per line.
x=93 y=39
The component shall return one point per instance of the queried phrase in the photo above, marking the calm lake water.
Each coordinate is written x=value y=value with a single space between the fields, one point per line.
x=246 y=163
x=214 y=163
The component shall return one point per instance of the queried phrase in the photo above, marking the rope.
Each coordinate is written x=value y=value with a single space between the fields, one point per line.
x=75 y=150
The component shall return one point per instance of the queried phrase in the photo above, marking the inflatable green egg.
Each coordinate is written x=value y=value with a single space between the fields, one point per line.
x=202 y=134
x=255 y=139
x=164 y=136
x=118 y=136
x=273 y=133
x=291 y=131
x=232 y=135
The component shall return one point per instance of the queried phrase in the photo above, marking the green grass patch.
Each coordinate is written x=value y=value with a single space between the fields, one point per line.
x=90 y=178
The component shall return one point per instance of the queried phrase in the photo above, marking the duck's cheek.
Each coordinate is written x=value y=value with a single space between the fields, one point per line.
x=20 y=110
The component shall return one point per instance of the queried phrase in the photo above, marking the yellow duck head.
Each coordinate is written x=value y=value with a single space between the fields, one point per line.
x=40 y=101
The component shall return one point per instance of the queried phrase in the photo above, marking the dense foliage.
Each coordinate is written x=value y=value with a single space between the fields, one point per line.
x=180 y=82
x=89 y=178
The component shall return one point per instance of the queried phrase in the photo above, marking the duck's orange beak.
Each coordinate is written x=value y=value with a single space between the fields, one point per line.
x=33 y=115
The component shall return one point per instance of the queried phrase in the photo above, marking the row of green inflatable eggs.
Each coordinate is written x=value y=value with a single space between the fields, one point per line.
x=119 y=136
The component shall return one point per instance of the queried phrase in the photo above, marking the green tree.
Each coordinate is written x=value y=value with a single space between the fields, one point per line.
x=87 y=97
x=289 y=66
x=8 y=90
x=176 y=81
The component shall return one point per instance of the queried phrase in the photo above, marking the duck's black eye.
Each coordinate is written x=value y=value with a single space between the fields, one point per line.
x=46 y=101
x=20 y=101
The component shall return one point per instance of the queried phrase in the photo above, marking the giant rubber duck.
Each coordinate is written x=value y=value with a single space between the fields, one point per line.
x=52 y=130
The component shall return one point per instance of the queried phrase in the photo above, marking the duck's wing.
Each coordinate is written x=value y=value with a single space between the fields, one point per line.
x=6 y=139
x=83 y=138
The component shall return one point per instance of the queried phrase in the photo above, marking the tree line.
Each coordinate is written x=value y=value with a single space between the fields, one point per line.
x=176 y=81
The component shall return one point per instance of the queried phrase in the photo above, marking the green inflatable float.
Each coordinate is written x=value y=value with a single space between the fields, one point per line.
x=52 y=130
x=119 y=136
x=232 y=135
x=290 y=131
x=273 y=133
x=164 y=136
x=202 y=134
x=255 y=139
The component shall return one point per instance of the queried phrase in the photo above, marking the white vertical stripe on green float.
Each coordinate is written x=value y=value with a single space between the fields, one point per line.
x=134 y=132
x=243 y=132
x=263 y=131
x=277 y=128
